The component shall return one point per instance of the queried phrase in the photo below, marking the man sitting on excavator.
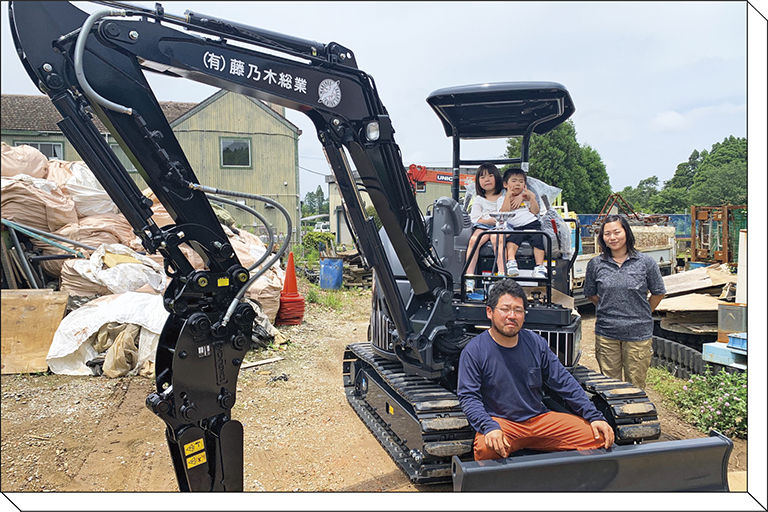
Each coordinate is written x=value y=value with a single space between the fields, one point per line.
x=501 y=373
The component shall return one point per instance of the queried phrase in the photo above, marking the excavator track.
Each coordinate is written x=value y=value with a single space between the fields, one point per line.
x=626 y=407
x=421 y=424
x=418 y=422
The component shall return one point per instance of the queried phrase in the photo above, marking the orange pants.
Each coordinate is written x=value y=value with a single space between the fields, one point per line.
x=551 y=431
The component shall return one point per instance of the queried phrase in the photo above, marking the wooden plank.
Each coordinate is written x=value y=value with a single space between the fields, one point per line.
x=689 y=302
x=262 y=362
x=30 y=319
x=697 y=279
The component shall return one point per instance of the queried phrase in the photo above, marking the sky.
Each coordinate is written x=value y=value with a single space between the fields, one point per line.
x=651 y=81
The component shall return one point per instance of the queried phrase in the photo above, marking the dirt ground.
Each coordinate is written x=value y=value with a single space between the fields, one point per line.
x=62 y=433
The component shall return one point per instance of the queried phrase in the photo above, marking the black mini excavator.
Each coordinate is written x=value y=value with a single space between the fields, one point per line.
x=402 y=381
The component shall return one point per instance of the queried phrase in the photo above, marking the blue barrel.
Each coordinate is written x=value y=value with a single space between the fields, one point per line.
x=330 y=273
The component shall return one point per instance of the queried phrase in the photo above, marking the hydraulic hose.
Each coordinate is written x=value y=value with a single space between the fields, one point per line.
x=270 y=262
x=256 y=214
x=85 y=30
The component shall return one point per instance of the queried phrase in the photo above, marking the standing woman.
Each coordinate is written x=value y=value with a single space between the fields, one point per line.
x=489 y=190
x=618 y=282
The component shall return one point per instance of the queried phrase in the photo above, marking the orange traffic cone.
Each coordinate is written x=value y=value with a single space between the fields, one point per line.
x=291 y=310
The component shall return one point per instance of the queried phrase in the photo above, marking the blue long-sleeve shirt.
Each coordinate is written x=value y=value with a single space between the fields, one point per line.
x=507 y=382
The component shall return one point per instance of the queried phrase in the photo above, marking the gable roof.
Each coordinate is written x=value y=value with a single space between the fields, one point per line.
x=218 y=94
x=37 y=113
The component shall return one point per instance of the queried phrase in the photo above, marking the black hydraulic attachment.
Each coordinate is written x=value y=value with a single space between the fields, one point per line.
x=692 y=465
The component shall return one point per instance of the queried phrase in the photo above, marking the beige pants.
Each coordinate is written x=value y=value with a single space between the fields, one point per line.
x=634 y=357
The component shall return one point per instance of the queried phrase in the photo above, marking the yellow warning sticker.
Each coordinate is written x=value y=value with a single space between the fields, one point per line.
x=196 y=460
x=223 y=281
x=390 y=409
x=194 y=446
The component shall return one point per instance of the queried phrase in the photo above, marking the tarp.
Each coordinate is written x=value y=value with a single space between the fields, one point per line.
x=85 y=190
x=69 y=350
x=119 y=278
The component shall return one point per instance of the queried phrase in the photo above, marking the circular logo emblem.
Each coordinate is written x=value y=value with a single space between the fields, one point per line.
x=329 y=92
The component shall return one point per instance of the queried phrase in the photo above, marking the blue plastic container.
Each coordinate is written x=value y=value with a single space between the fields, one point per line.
x=697 y=264
x=331 y=273
x=738 y=341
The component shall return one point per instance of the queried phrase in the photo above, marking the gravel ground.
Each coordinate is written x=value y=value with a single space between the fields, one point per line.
x=62 y=433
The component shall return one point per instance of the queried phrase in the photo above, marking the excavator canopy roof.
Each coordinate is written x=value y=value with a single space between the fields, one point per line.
x=502 y=109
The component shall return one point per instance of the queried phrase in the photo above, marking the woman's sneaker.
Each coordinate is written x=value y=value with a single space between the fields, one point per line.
x=540 y=271
x=512 y=269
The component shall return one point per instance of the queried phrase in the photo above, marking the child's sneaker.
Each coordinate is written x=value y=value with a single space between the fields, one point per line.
x=540 y=271
x=512 y=270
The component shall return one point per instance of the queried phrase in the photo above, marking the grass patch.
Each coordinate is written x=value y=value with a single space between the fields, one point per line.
x=664 y=383
x=331 y=299
x=713 y=401
x=313 y=296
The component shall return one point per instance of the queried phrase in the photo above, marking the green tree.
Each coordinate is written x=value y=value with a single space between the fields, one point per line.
x=639 y=197
x=718 y=185
x=714 y=177
x=557 y=159
x=686 y=171
x=669 y=200
x=310 y=205
x=322 y=201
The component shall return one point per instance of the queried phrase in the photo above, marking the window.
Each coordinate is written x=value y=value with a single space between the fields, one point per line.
x=123 y=157
x=235 y=152
x=421 y=186
x=52 y=150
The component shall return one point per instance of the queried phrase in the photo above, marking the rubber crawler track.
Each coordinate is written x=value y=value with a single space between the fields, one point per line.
x=680 y=360
x=627 y=408
x=443 y=424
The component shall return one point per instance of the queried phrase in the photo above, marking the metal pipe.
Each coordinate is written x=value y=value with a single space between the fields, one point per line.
x=495 y=161
x=24 y=263
x=456 y=165
x=23 y=228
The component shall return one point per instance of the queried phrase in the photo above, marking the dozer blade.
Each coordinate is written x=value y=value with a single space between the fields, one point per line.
x=691 y=465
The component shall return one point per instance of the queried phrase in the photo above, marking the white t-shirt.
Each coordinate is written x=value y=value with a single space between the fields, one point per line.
x=521 y=217
x=481 y=207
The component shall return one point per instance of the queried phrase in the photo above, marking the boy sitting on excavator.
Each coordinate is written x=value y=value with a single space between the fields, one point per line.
x=521 y=202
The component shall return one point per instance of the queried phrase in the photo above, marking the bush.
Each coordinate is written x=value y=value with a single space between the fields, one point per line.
x=713 y=401
x=308 y=253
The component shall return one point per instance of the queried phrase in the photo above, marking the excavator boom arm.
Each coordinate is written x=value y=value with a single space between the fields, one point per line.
x=94 y=65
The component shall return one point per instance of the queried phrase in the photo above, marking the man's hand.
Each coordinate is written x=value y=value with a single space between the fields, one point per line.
x=601 y=427
x=496 y=441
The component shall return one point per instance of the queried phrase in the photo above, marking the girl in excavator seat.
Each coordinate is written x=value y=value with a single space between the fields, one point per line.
x=489 y=194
